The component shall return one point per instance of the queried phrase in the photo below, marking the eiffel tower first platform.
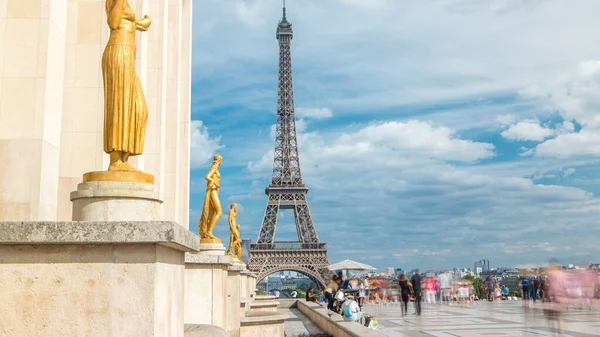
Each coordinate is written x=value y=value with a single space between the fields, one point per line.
x=307 y=255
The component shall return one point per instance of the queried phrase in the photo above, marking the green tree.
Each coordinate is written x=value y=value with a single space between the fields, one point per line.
x=477 y=282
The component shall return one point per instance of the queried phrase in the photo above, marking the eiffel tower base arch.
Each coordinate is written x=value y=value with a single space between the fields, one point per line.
x=266 y=259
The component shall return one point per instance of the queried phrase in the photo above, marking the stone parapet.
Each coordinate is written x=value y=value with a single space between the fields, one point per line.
x=167 y=233
x=93 y=278
x=208 y=259
x=334 y=324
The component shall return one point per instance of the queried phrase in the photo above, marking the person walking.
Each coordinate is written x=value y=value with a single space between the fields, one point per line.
x=330 y=291
x=535 y=286
x=416 y=286
x=489 y=281
x=526 y=288
x=405 y=288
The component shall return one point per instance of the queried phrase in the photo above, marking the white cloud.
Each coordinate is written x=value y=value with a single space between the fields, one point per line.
x=568 y=172
x=202 y=146
x=506 y=119
x=527 y=130
x=505 y=52
x=317 y=113
x=392 y=142
x=575 y=97
x=584 y=142
x=395 y=178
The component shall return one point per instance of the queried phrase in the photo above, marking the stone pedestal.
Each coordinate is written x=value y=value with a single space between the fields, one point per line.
x=212 y=249
x=252 y=285
x=206 y=289
x=115 y=201
x=232 y=302
x=244 y=295
x=93 y=278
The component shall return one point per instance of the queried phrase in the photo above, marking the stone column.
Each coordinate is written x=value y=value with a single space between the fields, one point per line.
x=173 y=118
x=156 y=94
x=183 y=214
x=83 y=110
x=32 y=59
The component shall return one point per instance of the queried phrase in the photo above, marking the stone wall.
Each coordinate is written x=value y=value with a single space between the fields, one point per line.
x=51 y=103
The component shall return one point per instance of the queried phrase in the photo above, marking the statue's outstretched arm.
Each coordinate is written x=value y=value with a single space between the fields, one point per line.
x=115 y=13
x=143 y=24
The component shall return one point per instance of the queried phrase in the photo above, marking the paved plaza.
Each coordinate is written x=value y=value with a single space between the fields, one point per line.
x=500 y=318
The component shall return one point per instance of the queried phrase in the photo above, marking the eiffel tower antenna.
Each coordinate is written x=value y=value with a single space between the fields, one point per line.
x=287 y=191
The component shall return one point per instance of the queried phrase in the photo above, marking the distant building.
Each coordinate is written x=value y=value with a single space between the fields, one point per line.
x=389 y=270
x=510 y=278
x=482 y=267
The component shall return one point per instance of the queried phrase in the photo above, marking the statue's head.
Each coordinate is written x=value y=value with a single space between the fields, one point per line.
x=218 y=159
x=233 y=207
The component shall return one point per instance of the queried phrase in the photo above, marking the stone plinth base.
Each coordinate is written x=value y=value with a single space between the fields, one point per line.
x=206 y=289
x=264 y=306
x=115 y=201
x=233 y=300
x=259 y=324
x=202 y=330
x=212 y=249
x=93 y=278
x=237 y=261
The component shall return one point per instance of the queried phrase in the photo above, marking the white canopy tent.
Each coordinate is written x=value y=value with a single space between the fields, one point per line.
x=350 y=265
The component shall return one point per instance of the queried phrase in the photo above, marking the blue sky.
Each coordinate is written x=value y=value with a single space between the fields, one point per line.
x=432 y=133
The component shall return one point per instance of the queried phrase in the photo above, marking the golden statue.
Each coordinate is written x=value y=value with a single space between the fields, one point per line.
x=125 y=110
x=235 y=242
x=211 y=212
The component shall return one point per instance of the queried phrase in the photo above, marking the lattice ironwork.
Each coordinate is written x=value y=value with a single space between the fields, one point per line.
x=309 y=259
x=287 y=190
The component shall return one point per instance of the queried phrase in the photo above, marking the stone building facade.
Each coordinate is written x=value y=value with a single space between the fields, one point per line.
x=51 y=103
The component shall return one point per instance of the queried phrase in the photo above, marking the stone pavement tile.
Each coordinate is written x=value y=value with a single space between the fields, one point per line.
x=506 y=318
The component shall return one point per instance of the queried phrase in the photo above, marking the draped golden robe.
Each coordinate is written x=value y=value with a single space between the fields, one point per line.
x=125 y=109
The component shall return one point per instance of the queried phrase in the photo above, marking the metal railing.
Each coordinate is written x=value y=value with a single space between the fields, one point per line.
x=288 y=246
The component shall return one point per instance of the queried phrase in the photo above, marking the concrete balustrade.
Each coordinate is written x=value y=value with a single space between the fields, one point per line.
x=334 y=325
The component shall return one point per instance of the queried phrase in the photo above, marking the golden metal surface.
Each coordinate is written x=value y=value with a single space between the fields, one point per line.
x=125 y=109
x=211 y=211
x=235 y=242
x=210 y=241
x=120 y=176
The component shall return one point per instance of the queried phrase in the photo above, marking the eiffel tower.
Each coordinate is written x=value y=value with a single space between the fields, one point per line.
x=307 y=255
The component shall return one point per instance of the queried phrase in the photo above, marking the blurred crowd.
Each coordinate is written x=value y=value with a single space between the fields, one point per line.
x=555 y=289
